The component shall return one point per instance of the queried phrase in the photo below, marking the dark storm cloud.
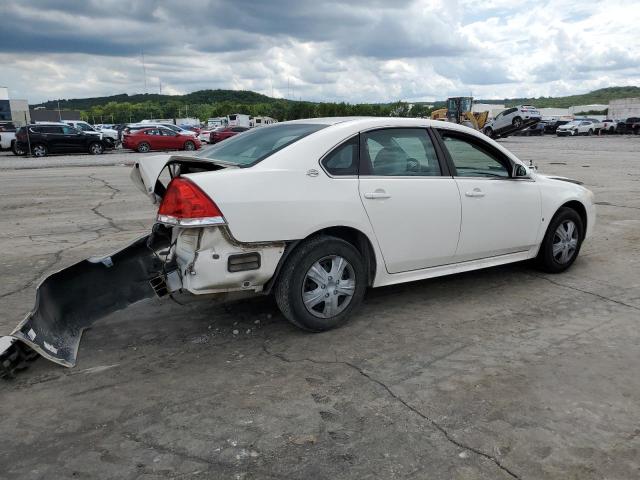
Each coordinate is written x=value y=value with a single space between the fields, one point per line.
x=367 y=28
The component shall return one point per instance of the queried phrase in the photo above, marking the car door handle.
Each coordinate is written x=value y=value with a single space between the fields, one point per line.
x=377 y=194
x=476 y=192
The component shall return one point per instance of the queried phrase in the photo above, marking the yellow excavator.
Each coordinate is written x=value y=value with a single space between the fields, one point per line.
x=459 y=110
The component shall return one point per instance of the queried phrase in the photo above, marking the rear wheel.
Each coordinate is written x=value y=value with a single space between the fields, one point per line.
x=39 y=150
x=96 y=148
x=561 y=243
x=517 y=122
x=189 y=145
x=322 y=283
x=144 y=147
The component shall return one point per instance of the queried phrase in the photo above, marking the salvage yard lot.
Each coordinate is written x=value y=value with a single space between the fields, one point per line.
x=502 y=373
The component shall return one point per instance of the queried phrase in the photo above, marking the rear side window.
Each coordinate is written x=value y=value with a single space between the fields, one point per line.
x=50 y=129
x=399 y=152
x=343 y=160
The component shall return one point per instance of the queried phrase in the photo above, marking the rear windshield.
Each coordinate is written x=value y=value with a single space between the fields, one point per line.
x=255 y=145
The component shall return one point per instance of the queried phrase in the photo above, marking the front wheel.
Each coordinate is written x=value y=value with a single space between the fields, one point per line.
x=562 y=242
x=489 y=132
x=96 y=148
x=590 y=132
x=322 y=283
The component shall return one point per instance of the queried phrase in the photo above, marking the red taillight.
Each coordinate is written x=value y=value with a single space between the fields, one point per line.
x=184 y=204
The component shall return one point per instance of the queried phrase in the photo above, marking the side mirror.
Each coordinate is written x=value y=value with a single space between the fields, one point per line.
x=520 y=171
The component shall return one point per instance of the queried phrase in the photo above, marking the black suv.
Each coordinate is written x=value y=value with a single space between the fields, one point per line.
x=45 y=139
x=631 y=125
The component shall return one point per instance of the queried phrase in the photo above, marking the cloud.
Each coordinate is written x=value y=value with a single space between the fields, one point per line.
x=356 y=50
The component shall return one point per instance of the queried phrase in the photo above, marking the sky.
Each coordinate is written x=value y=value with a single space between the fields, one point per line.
x=352 y=51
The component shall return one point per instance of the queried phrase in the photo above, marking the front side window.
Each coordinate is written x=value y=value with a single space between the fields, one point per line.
x=343 y=160
x=471 y=159
x=152 y=131
x=166 y=132
x=257 y=144
x=399 y=152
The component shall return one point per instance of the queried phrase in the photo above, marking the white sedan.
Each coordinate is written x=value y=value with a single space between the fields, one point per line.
x=317 y=211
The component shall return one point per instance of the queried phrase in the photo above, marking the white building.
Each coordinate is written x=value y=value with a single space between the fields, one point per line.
x=624 y=108
x=12 y=109
x=553 y=114
x=596 y=107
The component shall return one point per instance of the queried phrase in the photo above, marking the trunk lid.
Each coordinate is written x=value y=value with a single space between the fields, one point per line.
x=149 y=175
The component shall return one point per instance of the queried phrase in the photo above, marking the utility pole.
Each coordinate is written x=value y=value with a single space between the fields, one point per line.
x=160 y=82
x=59 y=114
x=144 y=72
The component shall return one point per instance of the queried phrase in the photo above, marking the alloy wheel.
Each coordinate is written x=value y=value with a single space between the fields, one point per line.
x=565 y=242
x=39 y=151
x=328 y=286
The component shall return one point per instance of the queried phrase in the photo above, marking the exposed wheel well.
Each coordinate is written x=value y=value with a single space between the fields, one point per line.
x=354 y=236
x=360 y=241
x=579 y=208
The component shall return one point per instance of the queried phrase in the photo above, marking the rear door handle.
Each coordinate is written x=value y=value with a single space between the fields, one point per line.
x=377 y=194
x=476 y=192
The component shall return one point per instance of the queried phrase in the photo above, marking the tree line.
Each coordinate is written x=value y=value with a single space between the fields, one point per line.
x=282 y=110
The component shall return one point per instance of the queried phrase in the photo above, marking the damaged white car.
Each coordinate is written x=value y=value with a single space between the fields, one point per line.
x=316 y=211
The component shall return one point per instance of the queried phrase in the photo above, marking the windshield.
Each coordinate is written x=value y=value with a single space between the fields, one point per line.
x=255 y=145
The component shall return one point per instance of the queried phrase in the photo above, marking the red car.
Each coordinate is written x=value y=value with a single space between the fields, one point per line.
x=159 y=138
x=220 y=134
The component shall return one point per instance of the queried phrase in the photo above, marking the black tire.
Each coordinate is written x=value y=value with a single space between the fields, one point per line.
x=546 y=260
x=517 y=122
x=96 y=148
x=143 y=147
x=292 y=280
x=189 y=145
x=19 y=151
x=489 y=132
x=39 y=150
x=590 y=132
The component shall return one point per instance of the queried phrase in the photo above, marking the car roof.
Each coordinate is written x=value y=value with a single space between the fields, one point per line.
x=376 y=122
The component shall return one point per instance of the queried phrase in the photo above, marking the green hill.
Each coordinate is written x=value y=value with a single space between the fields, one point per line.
x=245 y=97
x=601 y=96
x=199 y=97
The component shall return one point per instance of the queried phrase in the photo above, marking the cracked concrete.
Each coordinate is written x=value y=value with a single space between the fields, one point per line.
x=505 y=373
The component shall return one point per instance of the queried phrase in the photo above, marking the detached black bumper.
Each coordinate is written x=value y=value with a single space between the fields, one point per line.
x=72 y=299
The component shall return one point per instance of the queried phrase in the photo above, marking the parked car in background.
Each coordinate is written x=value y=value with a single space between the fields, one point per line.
x=533 y=130
x=110 y=136
x=631 y=125
x=552 y=126
x=609 y=125
x=218 y=135
x=7 y=135
x=576 y=127
x=205 y=133
x=159 y=138
x=512 y=119
x=46 y=138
